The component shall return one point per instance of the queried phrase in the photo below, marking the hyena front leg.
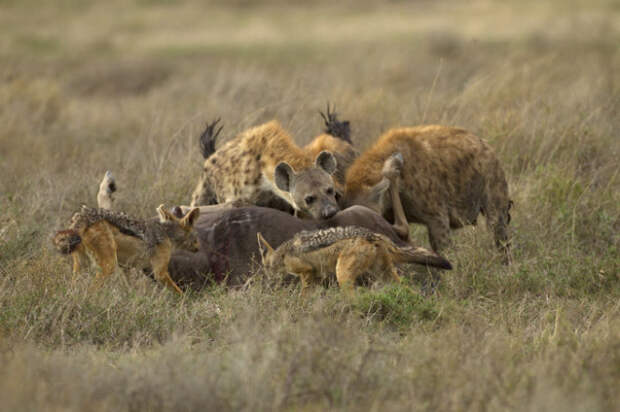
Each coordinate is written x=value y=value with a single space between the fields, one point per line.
x=159 y=263
x=497 y=223
x=438 y=232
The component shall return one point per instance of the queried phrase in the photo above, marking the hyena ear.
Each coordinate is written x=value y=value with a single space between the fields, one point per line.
x=284 y=176
x=190 y=218
x=263 y=246
x=326 y=161
x=164 y=215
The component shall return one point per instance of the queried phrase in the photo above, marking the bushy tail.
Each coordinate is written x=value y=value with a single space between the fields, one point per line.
x=208 y=138
x=66 y=241
x=420 y=255
x=334 y=127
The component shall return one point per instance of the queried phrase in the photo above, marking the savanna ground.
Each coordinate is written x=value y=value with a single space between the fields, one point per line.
x=87 y=86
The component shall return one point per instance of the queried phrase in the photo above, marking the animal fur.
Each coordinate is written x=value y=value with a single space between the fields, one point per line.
x=264 y=162
x=449 y=177
x=346 y=251
x=111 y=238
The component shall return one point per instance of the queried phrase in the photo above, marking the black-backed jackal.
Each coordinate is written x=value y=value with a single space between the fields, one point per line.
x=112 y=238
x=346 y=251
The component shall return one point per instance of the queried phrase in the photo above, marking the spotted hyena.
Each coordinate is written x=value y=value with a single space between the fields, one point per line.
x=335 y=139
x=263 y=165
x=449 y=176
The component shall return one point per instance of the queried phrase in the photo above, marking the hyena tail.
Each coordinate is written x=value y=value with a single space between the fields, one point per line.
x=334 y=127
x=66 y=241
x=208 y=138
x=420 y=255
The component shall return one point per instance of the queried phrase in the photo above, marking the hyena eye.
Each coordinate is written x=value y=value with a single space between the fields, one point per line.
x=309 y=200
x=330 y=191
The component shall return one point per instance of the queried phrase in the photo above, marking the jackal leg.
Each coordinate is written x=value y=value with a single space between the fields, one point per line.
x=304 y=271
x=388 y=265
x=352 y=262
x=392 y=168
x=159 y=263
x=80 y=260
x=100 y=241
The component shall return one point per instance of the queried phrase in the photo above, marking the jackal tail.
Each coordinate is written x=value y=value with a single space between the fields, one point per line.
x=420 y=255
x=66 y=241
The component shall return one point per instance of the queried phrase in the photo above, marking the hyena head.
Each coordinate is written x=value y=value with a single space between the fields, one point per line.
x=272 y=260
x=181 y=231
x=312 y=190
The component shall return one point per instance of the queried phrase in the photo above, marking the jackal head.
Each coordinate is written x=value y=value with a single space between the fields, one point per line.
x=181 y=231
x=269 y=257
x=312 y=190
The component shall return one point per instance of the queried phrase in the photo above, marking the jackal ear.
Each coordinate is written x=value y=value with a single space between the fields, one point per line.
x=284 y=176
x=190 y=218
x=375 y=196
x=326 y=161
x=164 y=215
x=263 y=246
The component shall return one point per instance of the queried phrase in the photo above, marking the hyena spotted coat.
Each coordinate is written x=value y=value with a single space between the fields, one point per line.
x=264 y=163
x=449 y=176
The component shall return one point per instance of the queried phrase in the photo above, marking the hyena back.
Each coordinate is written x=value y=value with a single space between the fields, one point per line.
x=264 y=162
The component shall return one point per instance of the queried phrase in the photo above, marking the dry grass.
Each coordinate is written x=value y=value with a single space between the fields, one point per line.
x=90 y=86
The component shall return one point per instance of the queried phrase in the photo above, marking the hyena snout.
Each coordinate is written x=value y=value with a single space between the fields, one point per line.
x=328 y=211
